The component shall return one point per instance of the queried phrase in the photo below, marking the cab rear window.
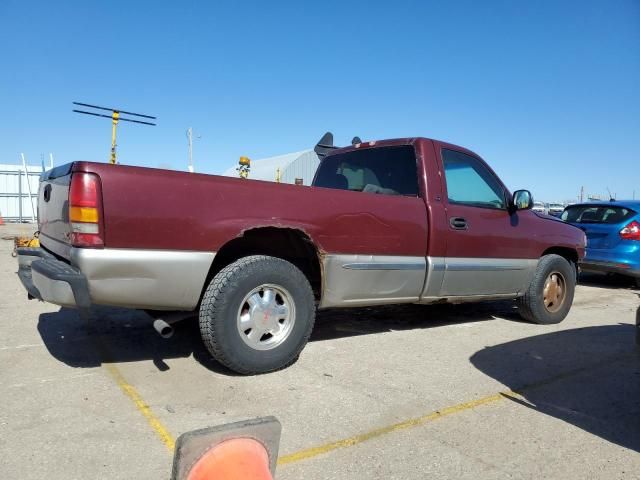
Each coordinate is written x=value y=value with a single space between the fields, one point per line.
x=607 y=214
x=382 y=170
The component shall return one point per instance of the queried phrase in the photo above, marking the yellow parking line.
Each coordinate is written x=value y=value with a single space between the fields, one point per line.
x=306 y=454
x=414 y=422
x=130 y=391
x=168 y=440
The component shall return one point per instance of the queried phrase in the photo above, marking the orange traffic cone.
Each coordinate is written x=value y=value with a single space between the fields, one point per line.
x=235 y=459
x=1 y=219
x=246 y=450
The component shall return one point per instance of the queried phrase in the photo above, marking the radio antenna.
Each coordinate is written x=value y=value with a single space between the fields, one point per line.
x=115 y=118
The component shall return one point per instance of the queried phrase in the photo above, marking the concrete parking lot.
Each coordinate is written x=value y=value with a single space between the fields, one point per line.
x=466 y=391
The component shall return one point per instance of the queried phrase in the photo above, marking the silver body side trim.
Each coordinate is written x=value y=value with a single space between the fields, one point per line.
x=360 y=280
x=153 y=279
x=435 y=277
x=467 y=298
x=384 y=266
x=485 y=267
x=486 y=276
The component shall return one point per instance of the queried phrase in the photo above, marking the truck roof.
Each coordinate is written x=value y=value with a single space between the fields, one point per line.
x=631 y=204
x=399 y=141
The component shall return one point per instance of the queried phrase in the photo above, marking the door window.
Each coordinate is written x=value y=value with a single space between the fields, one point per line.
x=470 y=183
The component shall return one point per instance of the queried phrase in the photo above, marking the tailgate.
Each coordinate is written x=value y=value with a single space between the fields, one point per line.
x=53 y=210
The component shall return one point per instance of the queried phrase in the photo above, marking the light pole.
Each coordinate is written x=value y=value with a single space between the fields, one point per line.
x=115 y=118
x=190 y=140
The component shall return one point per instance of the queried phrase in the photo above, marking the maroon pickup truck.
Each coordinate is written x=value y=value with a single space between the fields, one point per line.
x=411 y=220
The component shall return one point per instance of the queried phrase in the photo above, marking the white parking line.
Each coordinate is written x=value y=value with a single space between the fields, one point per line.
x=42 y=381
x=19 y=347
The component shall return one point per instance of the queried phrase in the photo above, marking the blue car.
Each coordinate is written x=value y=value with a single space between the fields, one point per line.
x=613 y=236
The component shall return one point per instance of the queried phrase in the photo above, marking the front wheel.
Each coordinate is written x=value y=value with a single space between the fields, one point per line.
x=257 y=314
x=549 y=296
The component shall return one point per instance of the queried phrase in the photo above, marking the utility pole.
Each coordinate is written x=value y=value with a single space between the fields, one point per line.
x=190 y=139
x=581 y=193
x=115 y=118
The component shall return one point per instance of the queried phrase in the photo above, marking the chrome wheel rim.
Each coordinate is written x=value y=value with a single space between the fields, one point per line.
x=266 y=317
x=554 y=292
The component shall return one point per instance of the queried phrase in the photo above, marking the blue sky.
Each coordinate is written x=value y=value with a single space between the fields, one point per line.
x=547 y=92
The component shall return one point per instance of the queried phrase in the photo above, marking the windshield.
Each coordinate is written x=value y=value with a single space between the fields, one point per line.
x=607 y=214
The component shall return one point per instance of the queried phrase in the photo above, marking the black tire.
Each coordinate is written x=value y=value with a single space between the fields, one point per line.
x=638 y=327
x=225 y=298
x=532 y=306
x=637 y=280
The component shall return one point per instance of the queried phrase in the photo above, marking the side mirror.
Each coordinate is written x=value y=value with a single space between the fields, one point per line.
x=522 y=200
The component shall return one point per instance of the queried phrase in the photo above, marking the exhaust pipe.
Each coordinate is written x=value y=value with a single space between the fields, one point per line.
x=164 y=325
x=163 y=328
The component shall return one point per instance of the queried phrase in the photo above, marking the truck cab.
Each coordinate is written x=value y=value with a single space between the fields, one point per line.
x=480 y=241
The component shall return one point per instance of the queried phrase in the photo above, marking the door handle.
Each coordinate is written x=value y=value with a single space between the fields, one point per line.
x=458 y=223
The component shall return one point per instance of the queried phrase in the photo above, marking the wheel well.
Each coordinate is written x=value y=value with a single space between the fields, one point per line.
x=568 y=253
x=286 y=243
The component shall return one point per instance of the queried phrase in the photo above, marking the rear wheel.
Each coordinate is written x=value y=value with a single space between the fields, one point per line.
x=549 y=296
x=257 y=314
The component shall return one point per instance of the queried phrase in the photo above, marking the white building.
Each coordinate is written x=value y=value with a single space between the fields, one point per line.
x=301 y=165
x=19 y=195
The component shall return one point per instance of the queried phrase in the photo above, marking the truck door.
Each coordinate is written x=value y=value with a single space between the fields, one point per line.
x=487 y=252
x=374 y=226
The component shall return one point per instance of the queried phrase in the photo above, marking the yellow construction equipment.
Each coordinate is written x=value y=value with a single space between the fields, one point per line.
x=244 y=167
x=18 y=242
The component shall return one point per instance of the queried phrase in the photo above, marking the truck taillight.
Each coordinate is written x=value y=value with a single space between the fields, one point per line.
x=631 y=231
x=85 y=207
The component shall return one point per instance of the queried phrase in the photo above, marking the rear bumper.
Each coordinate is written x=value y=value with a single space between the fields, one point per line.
x=51 y=280
x=610 y=267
